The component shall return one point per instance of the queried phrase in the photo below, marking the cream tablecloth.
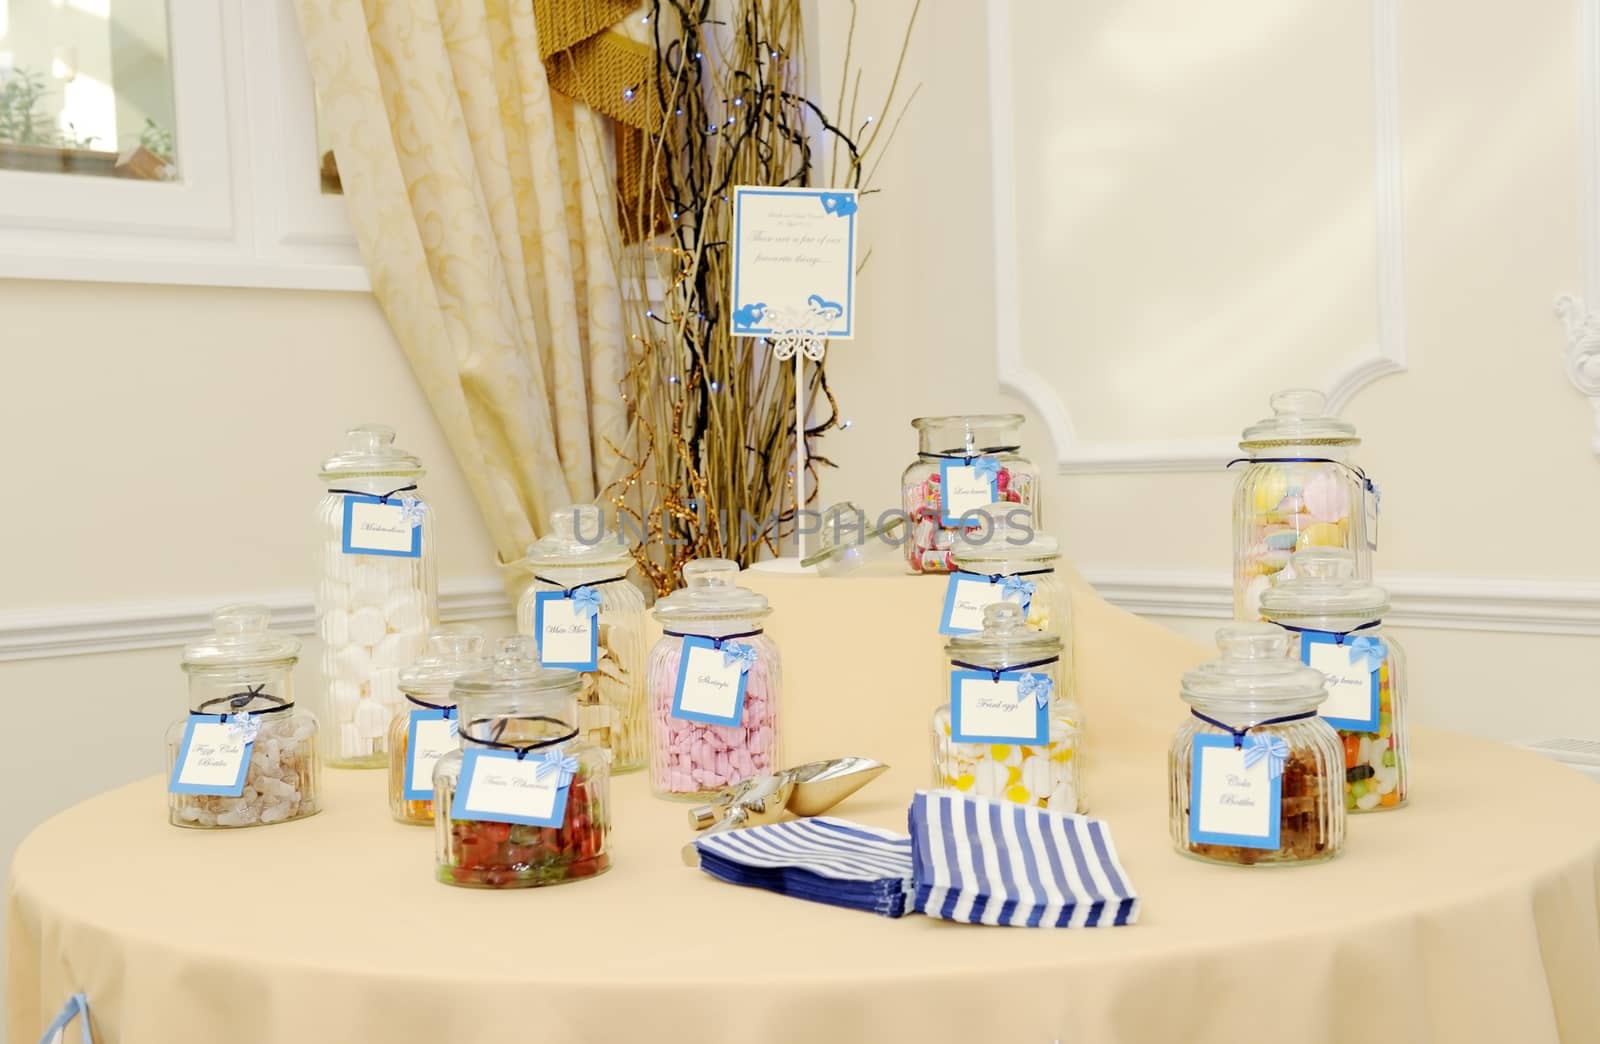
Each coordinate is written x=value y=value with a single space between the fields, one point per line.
x=1470 y=916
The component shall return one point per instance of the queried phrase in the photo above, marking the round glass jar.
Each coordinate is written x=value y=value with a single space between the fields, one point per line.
x=1299 y=490
x=1011 y=729
x=241 y=676
x=377 y=598
x=1335 y=624
x=713 y=683
x=963 y=465
x=424 y=728
x=1255 y=711
x=593 y=620
x=520 y=721
x=1018 y=562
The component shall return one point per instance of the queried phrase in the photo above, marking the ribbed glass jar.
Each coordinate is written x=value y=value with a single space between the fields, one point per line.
x=1299 y=489
x=1244 y=694
x=580 y=555
x=698 y=747
x=1019 y=563
x=429 y=715
x=376 y=606
x=979 y=458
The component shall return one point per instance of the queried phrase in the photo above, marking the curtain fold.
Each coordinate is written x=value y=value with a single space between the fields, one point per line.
x=485 y=207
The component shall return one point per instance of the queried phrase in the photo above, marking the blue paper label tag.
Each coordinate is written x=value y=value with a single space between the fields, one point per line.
x=966 y=597
x=793 y=262
x=1228 y=803
x=373 y=526
x=212 y=759
x=498 y=787
x=566 y=630
x=1013 y=709
x=712 y=681
x=430 y=735
x=966 y=487
x=1351 y=668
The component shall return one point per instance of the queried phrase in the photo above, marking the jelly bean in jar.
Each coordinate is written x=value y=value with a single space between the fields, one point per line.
x=713 y=684
x=424 y=729
x=963 y=465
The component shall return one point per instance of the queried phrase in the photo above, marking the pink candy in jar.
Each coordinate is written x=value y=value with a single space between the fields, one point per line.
x=713 y=685
x=963 y=464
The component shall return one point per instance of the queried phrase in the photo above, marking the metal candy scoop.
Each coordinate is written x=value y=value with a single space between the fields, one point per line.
x=805 y=790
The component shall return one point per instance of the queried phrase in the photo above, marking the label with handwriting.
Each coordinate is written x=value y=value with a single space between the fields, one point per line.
x=212 y=759
x=710 y=686
x=964 y=488
x=1228 y=803
x=566 y=630
x=373 y=526
x=431 y=734
x=1352 y=702
x=983 y=710
x=966 y=598
x=499 y=787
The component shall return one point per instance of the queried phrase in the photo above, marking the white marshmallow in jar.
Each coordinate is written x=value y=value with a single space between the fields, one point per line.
x=378 y=597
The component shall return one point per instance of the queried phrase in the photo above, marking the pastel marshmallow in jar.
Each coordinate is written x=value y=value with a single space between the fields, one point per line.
x=964 y=463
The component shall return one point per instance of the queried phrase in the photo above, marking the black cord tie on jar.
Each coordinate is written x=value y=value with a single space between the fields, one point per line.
x=522 y=749
x=240 y=700
x=716 y=643
x=996 y=672
x=1238 y=734
x=1338 y=636
x=1366 y=483
x=995 y=578
x=968 y=456
x=449 y=709
x=567 y=592
x=383 y=498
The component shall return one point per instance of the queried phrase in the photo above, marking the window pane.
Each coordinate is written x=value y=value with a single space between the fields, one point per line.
x=86 y=88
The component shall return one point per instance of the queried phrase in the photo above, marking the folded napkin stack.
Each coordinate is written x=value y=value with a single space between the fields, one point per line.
x=966 y=859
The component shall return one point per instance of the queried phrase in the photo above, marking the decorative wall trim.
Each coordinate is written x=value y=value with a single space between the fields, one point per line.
x=1582 y=323
x=30 y=634
x=1454 y=603
x=1199 y=453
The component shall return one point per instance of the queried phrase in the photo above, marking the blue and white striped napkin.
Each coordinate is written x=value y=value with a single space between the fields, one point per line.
x=823 y=859
x=995 y=862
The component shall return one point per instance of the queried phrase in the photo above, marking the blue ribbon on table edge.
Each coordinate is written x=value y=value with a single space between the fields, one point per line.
x=1265 y=745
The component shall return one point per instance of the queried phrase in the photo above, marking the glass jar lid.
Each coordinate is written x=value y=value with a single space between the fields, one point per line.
x=1324 y=584
x=241 y=639
x=517 y=672
x=1005 y=641
x=370 y=450
x=963 y=434
x=1010 y=537
x=578 y=537
x=1254 y=674
x=1299 y=416
x=711 y=593
x=448 y=656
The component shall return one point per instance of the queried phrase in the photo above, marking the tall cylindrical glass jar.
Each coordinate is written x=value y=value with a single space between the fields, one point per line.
x=963 y=465
x=1011 y=729
x=1255 y=776
x=245 y=754
x=588 y=617
x=1335 y=623
x=377 y=598
x=713 y=683
x=424 y=728
x=1006 y=558
x=1300 y=489
x=525 y=802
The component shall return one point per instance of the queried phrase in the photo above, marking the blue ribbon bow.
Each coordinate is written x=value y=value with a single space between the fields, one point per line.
x=245 y=725
x=741 y=653
x=986 y=468
x=1274 y=748
x=1373 y=650
x=1037 y=686
x=1012 y=586
x=587 y=599
x=555 y=761
x=411 y=511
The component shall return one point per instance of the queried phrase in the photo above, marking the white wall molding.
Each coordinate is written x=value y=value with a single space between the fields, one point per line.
x=1577 y=314
x=1453 y=603
x=30 y=634
x=1388 y=355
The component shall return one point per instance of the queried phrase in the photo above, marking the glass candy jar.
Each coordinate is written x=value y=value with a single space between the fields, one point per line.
x=587 y=617
x=1335 y=622
x=245 y=754
x=1256 y=776
x=1012 y=729
x=525 y=801
x=963 y=465
x=1300 y=490
x=424 y=728
x=1005 y=559
x=377 y=598
x=713 y=684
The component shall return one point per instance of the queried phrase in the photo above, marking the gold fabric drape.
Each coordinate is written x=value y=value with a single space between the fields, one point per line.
x=485 y=206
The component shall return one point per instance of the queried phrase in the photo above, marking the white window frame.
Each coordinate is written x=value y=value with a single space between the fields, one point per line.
x=247 y=210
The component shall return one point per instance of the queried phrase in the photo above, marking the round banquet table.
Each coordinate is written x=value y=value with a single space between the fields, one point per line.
x=1468 y=916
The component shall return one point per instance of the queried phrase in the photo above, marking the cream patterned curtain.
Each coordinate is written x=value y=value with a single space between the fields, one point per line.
x=485 y=206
